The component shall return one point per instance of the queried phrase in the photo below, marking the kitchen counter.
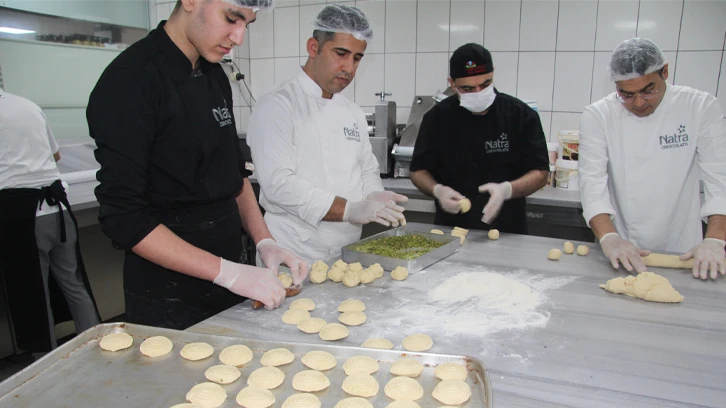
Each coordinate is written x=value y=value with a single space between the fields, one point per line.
x=593 y=349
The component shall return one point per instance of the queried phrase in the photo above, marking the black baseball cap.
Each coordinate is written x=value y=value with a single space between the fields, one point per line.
x=470 y=60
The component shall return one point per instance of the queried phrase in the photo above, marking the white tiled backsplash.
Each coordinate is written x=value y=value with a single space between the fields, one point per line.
x=552 y=51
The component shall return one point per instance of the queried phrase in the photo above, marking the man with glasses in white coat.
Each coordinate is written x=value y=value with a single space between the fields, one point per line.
x=643 y=150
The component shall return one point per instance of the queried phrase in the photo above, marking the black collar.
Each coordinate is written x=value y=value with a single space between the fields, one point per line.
x=180 y=67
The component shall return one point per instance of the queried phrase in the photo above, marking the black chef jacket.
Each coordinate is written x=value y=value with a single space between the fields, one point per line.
x=169 y=152
x=463 y=151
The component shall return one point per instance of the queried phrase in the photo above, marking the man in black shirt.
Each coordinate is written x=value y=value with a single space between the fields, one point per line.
x=480 y=144
x=173 y=186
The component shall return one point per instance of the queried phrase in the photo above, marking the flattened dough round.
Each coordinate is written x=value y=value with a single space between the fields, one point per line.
x=312 y=325
x=367 y=276
x=417 y=342
x=400 y=273
x=352 y=318
x=361 y=385
x=207 y=395
x=266 y=377
x=380 y=343
x=583 y=250
x=255 y=397
x=196 y=351
x=451 y=371
x=336 y=274
x=277 y=357
x=452 y=392
x=403 y=404
x=360 y=365
x=156 y=346
x=285 y=279
x=302 y=400
x=222 y=374
x=493 y=234
x=310 y=381
x=304 y=304
x=351 y=279
x=569 y=247
x=554 y=254
x=353 y=402
x=295 y=316
x=351 y=305
x=408 y=367
x=319 y=360
x=116 y=341
x=403 y=388
x=236 y=355
x=333 y=331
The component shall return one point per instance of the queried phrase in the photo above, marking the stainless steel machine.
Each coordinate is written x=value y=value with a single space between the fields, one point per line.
x=382 y=131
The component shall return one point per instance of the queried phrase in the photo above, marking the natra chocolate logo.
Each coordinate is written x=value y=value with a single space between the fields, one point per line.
x=473 y=69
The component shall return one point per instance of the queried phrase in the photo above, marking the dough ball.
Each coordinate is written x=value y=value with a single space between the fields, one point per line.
x=554 y=254
x=380 y=343
x=255 y=397
x=404 y=404
x=310 y=381
x=408 y=367
x=302 y=400
x=207 y=395
x=417 y=342
x=116 y=341
x=451 y=371
x=318 y=275
x=452 y=392
x=156 y=346
x=236 y=355
x=360 y=365
x=277 y=357
x=352 y=318
x=437 y=232
x=319 y=265
x=196 y=351
x=400 y=273
x=647 y=286
x=355 y=267
x=319 y=360
x=351 y=279
x=353 y=402
x=377 y=270
x=333 y=331
x=222 y=374
x=303 y=304
x=583 y=250
x=351 y=305
x=361 y=385
x=266 y=377
x=336 y=274
x=285 y=279
x=367 y=276
x=312 y=325
x=493 y=234
x=403 y=388
x=295 y=316
x=340 y=265
x=569 y=248
x=465 y=205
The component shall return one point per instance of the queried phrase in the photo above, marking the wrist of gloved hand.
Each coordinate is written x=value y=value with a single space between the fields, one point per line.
x=720 y=243
x=609 y=235
x=264 y=243
x=228 y=274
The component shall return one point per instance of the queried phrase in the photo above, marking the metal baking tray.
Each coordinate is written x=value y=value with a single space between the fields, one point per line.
x=413 y=265
x=79 y=374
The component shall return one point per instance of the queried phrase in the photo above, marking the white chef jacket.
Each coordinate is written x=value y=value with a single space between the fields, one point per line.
x=645 y=172
x=307 y=150
x=27 y=146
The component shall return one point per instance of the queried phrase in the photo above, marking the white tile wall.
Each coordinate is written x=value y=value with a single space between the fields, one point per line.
x=699 y=69
x=307 y=17
x=658 y=20
x=505 y=71
x=432 y=70
x=286 y=32
x=261 y=36
x=400 y=80
x=467 y=23
x=704 y=25
x=400 y=26
x=536 y=78
x=376 y=12
x=722 y=87
x=501 y=25
x=369 y=79
x=573 y=79
x=576 y=25
x=617 y=21
x=433 y=26
x=538 y=28
x=286 y=68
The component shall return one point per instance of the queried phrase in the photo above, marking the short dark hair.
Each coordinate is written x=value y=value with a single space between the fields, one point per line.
x=322 y=37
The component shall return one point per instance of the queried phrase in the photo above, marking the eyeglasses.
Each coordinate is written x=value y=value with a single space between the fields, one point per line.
x=626 y=97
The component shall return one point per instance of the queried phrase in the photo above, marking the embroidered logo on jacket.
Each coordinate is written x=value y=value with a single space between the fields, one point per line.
x=352 y=134
x=222 y=115
x=679 y=139
x=498 y=145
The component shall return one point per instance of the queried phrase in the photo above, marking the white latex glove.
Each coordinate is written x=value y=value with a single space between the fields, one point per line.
x=498 y=194
x=367 y=211
x=273 y=255
x=251 y=282
x=708 y=255
x=448 y=198
x=390 y=199
x=619 y=251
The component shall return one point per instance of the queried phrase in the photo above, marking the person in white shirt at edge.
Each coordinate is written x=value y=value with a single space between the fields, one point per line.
x=319 y=180
x=643 y=150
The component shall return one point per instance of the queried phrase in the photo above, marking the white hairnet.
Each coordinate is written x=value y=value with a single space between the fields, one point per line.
x=634 y=58
x=339 y=18
x=255 y=5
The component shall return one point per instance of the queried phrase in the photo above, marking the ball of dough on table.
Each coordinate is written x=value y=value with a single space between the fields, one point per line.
x=207 y=395
x=351 y=305
x=255 y=397
x=377 y=270
x=266 y=377
x=302 y=400
x=351 y=279
x=361 y=385
x=366 y=276
x=465 y=205
x=437 y=232
x=340 y=264
x=356 y=267
x=295 y=316
x=277 y=357
x=303 y=304
x=408 y=367
x=311 y=325
x=353 y=402
x=196 y=351
x=352 y=318
x=319 y=265
x=360 y=365
x=554 y=254
x=451 y=371
x=400 y=273
x=379 y=343
x=452 y=392
x=285 y=279
x=318 y=275
x=336 y=274
x=310 y=381
x=493 y=234
x=156 y=346
x=236 y=355
x=333 y=331
x=319 y=360
x=403 y=388
x=222 y=374
x=404 y=404
x=569 y=248
x=417 y=342
x=116 y=341
x=583 y=250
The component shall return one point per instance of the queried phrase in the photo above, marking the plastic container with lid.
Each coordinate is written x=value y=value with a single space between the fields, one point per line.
x=569 y=144
x=566 y=175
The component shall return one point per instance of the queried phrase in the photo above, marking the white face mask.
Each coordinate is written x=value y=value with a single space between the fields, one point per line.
x=478 y=101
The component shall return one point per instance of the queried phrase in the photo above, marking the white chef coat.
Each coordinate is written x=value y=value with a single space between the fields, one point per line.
x=644 y=172
x=27 y=146
x=307 y=150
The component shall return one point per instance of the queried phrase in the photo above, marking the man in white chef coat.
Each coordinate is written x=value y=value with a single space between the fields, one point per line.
x=319 y=180
x=643 y=150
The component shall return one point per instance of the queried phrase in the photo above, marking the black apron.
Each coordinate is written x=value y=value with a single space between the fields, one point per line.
x=20 y=265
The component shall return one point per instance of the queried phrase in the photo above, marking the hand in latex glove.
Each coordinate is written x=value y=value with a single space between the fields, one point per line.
x=498 y=194
x=251 y=282
x=274 y=255
x=448 y=198
x=367 y=211
x=619 y=251
x=708 y=255
x=390 y=199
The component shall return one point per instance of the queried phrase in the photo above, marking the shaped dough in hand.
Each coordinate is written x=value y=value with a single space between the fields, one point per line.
x=285 y=279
